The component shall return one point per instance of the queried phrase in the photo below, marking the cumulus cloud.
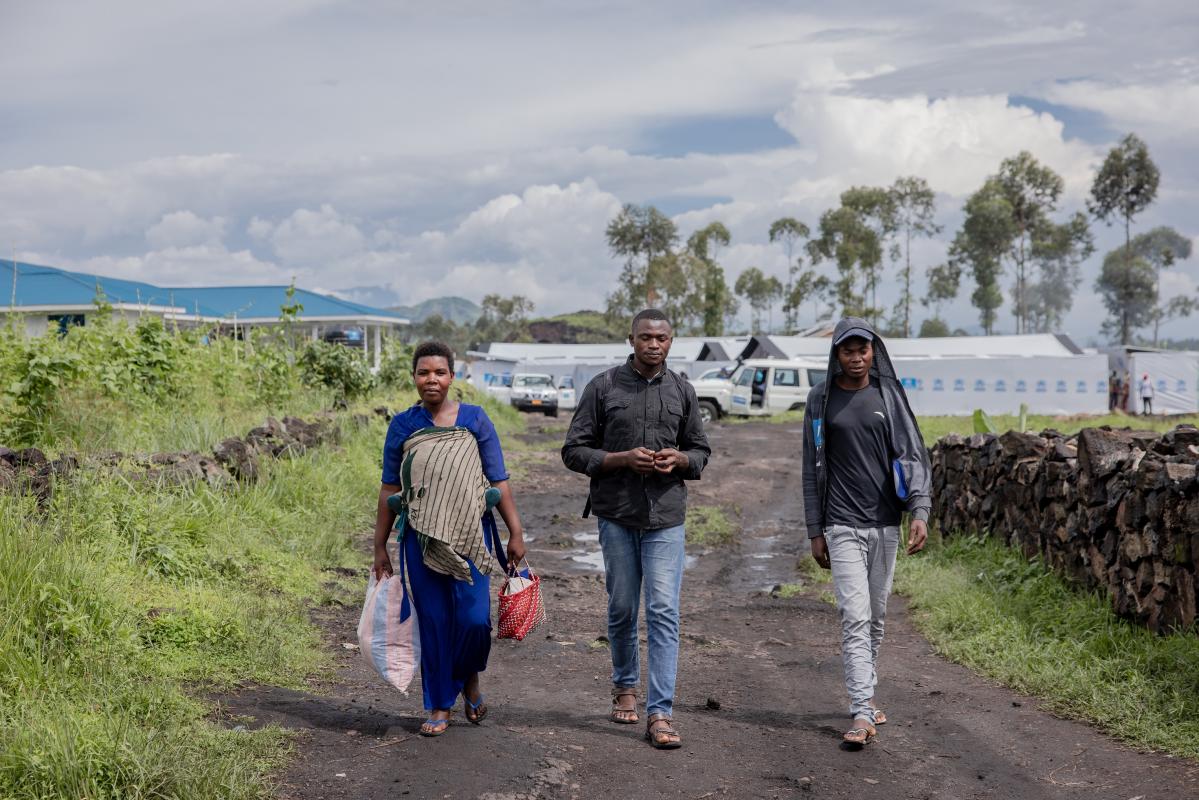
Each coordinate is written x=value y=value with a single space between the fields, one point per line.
x=184 y=229
x=953 y=142
x=312 y=237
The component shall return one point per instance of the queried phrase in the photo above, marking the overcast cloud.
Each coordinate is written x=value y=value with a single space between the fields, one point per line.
x=466 y=148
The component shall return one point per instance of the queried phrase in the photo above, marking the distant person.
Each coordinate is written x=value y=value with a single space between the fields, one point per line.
x=1146 y=395
x=1113 y=390
x=1125 y=388
x=638 y=435
x=864 y=464
x=446 y=550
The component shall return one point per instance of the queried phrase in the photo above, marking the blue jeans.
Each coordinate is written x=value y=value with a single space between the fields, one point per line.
x=653 y=558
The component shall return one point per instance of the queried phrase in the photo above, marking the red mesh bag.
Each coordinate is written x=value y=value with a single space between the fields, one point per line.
x=521 y=607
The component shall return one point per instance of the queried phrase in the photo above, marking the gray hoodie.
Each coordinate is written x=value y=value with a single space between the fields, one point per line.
x=910 y=465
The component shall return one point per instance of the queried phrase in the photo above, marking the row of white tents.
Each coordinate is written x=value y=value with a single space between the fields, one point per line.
x=952 y=375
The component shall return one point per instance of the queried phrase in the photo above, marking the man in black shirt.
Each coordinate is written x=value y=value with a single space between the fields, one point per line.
x=638 y=435
x=864 y=465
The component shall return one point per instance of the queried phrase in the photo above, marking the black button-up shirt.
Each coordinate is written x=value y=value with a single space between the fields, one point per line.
x=621 y=410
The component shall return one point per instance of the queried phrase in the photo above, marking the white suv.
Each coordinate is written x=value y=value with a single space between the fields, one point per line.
x=534 y=392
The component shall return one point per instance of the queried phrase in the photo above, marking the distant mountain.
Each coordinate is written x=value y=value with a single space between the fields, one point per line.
x=458 y=310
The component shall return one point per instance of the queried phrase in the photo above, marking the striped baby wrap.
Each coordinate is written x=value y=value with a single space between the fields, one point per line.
x=444 y=492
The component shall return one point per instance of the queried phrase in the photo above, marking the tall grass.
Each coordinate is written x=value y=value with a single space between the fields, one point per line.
x=983 y=605
x=121 y=596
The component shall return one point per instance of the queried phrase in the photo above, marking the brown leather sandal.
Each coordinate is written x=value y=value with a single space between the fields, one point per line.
x=661 y=733
x=623 y=716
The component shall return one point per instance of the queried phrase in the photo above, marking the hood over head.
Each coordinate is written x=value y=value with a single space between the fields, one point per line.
x=856 y=326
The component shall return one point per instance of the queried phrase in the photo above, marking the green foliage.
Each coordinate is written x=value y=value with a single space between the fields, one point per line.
x=1128 y=287
x=41 y=369
x=914 y=204
x=983 y=605
x=1008 y=222
x=845 y=236
x=639 y=234
x=710 y=526
x=983 y=422
x=395 y=366
x=1125 y=186
x=335 y=367
x=123 y=600
x=761 y=291
x=933 y=326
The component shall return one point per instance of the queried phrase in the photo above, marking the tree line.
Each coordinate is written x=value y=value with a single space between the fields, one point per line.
x=1012 y=229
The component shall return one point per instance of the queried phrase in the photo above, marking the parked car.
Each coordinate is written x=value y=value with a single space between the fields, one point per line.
x=567 y=399
x=715 y=393
x=500 y=387
x=770 y=386
x=534 y=392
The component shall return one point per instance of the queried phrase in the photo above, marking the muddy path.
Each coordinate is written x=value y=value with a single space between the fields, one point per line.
x=760 y=702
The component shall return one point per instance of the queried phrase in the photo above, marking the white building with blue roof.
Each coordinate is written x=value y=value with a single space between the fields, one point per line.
x=44 y=298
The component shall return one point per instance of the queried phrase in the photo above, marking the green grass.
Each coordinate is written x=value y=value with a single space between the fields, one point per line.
x=122 y=601
x=709 y=526
x=934 y=428
x=983 y=605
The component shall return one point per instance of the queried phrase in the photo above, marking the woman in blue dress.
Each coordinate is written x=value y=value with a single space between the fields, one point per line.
x=453 y=616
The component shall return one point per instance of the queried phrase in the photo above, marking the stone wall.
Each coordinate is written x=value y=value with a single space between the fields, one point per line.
x=234 y=459
x=1113 y=510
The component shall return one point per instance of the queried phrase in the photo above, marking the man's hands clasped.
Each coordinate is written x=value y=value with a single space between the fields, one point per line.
x=644 y=461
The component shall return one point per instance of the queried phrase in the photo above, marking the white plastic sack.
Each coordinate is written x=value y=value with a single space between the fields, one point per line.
x=388 y=636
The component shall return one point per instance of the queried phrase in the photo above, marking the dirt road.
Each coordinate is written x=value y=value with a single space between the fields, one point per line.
x=760 y=702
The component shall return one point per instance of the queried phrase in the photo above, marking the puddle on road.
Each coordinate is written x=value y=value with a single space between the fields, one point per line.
x=588 y=557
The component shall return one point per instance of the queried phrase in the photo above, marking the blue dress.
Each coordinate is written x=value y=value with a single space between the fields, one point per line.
x=454 y=616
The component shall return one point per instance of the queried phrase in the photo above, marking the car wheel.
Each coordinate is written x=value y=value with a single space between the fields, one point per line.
x=708 y=412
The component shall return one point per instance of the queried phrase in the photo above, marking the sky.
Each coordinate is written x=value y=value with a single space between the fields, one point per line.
x=465 y=148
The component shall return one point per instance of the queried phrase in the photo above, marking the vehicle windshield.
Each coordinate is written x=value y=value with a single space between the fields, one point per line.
x=712 y=374
x=532 y=381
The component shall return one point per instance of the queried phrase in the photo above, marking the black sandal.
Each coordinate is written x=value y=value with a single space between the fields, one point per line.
x=663 y=737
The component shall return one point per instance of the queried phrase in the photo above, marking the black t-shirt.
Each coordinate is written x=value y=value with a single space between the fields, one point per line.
x=861 y=486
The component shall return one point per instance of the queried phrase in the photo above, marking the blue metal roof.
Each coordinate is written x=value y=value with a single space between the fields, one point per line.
x=250 y=302
x=39 y=285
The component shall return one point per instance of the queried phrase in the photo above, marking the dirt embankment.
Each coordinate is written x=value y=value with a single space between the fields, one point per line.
x=760 y=702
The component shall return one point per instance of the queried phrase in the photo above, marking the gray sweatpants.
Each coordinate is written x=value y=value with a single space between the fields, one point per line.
x=863 y=563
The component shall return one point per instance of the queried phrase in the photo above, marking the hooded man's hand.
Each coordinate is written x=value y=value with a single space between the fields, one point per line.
x=917 y=536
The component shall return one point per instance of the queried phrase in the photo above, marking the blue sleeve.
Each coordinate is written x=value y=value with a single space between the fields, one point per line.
x=393 y=448
x=490 y=451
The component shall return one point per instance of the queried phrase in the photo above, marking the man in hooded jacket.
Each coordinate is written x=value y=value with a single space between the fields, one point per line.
x=864 y=465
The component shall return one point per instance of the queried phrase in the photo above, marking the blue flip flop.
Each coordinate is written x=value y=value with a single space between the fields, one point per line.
x=479 y=716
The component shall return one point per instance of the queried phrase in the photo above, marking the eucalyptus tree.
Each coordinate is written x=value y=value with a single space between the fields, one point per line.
x=979 y=246
x=639 y=234
x=1162 y=247
x=944 y=281
x=1125 y=185
x=1008 y=222
x=710 y=302
x=801 y=284
x=914 y=205
x=845 y=237
x=875 y=207
x=759 y=291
